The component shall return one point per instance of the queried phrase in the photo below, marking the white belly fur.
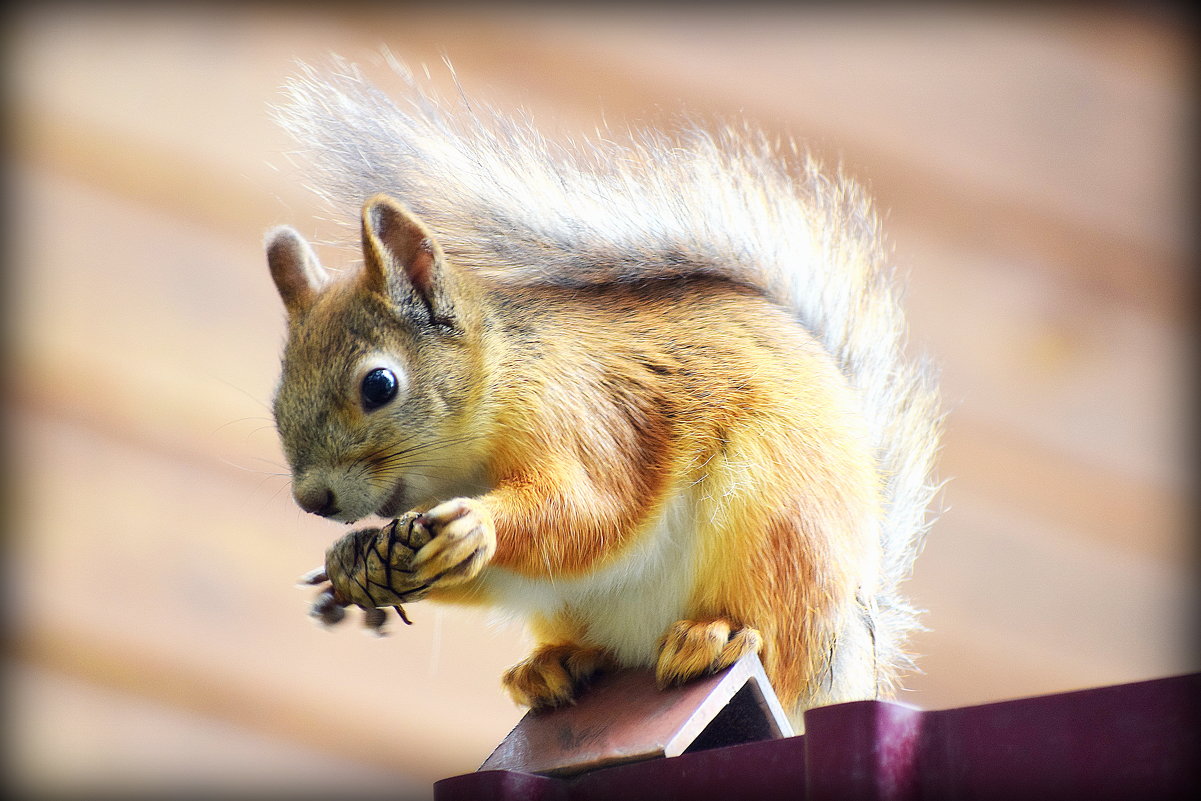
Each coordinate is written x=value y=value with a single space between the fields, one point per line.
x=628 y=604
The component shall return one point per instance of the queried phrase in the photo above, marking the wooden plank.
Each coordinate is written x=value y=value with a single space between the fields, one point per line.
x=81 y=740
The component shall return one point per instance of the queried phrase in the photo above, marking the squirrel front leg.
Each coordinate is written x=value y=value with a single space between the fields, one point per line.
x=467 y=532
x=534 y=529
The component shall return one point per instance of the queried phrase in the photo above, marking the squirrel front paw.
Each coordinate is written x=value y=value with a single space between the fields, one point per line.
x=463 y=540
x=552 y=675
x=691 y=649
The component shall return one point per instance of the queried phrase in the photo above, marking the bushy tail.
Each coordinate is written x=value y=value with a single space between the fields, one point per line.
x=728 y=202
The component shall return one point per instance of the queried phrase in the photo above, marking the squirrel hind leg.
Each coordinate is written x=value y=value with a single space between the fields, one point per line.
x=553 y=675
x=690 y=649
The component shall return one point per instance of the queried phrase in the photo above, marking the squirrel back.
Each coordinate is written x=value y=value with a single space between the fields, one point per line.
x=723 y=204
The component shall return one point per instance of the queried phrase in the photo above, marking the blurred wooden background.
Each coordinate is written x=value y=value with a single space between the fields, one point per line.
x=1036 y=170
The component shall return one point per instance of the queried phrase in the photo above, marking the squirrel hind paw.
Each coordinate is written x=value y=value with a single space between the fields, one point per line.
x=553 y=675
x=691 y=649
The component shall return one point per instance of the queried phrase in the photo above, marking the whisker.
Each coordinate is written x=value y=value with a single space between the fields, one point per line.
x=229 y=423
x=419 y=448
x=246 y=469
x=257 y=400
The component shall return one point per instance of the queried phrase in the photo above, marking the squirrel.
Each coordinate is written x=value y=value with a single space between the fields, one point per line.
x=650 y=397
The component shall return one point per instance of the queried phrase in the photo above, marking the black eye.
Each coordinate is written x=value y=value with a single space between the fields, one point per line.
x=379 y=387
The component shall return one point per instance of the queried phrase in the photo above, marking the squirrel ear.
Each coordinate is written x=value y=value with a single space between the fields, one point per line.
x=403 y=260
x=294 y=267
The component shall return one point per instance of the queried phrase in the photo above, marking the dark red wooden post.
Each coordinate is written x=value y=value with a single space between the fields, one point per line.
x=1131 y=741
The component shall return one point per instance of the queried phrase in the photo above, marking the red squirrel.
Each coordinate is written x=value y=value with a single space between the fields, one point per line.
x=651 y=397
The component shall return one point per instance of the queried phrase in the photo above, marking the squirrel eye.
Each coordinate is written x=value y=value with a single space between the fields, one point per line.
x=379 y=387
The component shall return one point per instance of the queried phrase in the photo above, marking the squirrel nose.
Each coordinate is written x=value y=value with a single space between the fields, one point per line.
x=316 y=500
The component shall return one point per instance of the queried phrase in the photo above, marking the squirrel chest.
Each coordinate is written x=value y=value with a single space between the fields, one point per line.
x=626 y=604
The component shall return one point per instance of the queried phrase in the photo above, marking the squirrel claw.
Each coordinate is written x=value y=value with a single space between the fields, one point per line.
x=373 y=620
x=315 y=576
x=327 y=608
x=463 y=541
x=553 y=674
x=690 y=649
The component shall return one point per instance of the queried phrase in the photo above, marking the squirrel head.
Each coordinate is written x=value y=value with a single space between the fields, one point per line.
x=381 y=372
